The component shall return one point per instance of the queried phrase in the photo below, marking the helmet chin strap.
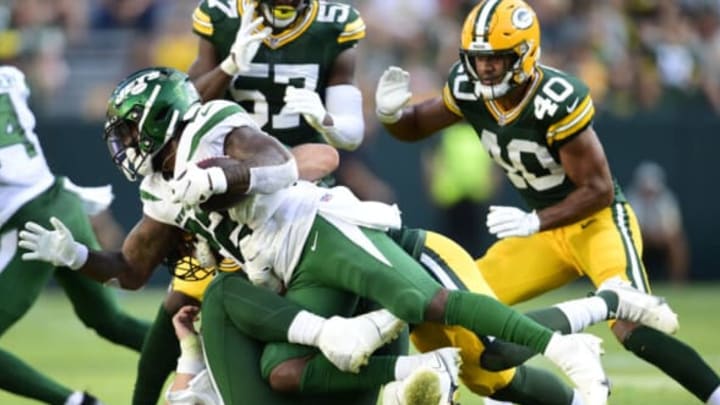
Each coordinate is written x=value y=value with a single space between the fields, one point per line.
x=496 y=90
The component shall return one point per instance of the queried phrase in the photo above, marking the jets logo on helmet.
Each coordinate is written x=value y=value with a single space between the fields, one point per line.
x=142 y=115
x=501 y=28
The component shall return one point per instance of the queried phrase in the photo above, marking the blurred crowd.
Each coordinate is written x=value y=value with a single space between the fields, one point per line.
x=635 y=54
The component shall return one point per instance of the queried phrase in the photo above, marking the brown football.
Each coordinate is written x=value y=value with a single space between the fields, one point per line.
x=220 y=202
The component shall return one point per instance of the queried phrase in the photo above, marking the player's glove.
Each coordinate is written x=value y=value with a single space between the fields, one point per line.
x=392 y=94
x=307 y=103
x=247 y=42
x=196 y=185
x=57 y=247
x=505 y=222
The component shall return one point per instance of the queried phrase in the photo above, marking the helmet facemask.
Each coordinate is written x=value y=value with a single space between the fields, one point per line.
x=501 y=28
x=143 y=115
x=284 y=15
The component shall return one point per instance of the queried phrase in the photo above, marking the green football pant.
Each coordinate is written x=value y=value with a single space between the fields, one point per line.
x=236 y=317
x=22 y=282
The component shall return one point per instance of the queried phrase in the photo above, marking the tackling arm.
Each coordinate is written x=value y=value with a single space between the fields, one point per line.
x=584 y=161
x=145 y=247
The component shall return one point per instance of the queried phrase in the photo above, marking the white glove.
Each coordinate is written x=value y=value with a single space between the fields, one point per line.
x=196 y=185
x=392 y=94
x=307 y=103
x=57 y=247
x=504 y=222
x=247 y=42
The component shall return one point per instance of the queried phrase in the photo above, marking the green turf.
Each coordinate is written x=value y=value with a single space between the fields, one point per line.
x=53 y=340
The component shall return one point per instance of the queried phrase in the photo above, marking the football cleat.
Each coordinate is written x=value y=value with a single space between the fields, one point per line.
x=349 y=342
x=639 y=307
x=578 y=356
x=434 y=381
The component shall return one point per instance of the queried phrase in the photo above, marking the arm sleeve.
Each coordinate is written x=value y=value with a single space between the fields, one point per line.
x=344 y=104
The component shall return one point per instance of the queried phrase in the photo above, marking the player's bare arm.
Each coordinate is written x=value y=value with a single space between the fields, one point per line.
x=205 y=73
x=315 y=160
x=422 y=120
x=145 y=247
x=584 y=161
x=254 y=149
x=343 y=69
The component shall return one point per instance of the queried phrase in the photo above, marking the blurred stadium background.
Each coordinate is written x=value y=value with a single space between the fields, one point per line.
x=653 y=67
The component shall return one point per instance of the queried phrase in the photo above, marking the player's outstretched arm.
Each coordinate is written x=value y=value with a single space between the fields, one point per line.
x=205 y=73
x=408 y=123
x=144 y=248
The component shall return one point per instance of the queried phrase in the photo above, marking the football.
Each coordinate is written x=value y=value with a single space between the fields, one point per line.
x=220 y=202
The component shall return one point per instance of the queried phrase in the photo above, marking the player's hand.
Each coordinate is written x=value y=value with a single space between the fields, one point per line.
x=505 y=222
x=392 y=94
x=195 y=185
x=57 y=246
x=247 y=41
x=183 y=321
x=307 y=103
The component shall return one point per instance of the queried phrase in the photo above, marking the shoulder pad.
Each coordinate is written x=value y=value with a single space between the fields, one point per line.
x=563 y=101
x=344 y=18
x=210 y=12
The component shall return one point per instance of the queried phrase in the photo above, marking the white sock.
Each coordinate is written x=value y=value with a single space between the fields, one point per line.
x=305 y=328
x=75 y=398
x=714 y=397
x=405 y=365
x=584 y=312
x=577 y=398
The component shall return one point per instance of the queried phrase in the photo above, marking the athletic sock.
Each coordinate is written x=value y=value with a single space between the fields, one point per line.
x=19 y=378
x=714 y=397
x=674 y=358
x=579 y=314
x=532 y=386
x=486 y=316
x=305 y=328
x=322 y=376
x=157 y=359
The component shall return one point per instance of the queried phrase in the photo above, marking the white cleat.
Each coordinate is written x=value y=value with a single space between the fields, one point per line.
x=639 y=307
x=349 y=342
x=578 y=356
x=434 y=381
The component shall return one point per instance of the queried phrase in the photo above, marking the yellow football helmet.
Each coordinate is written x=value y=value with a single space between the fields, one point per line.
x=501 y=27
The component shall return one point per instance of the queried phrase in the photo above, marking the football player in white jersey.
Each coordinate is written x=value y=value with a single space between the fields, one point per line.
x=321 y=246
x=29 y=191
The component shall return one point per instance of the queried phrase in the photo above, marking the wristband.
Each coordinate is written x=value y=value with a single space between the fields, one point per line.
x=218 y=180
x=228 y=66
x=389 y=119
x=81 y=256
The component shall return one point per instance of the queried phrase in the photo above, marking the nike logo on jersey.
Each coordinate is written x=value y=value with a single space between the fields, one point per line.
x=314 y=243
x=586 y=224
x=573 y=106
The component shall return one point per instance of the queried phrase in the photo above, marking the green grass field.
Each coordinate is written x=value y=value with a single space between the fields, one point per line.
x=54 y=341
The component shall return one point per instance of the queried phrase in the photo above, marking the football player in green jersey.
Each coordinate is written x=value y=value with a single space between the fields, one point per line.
x=290 y=64
x=316 y=242
x=536 y=123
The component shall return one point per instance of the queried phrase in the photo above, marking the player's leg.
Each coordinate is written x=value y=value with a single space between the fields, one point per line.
x=370 y=264
x=95 y=304
x=617 y=233
x=20 y=284
x=161 y=347
x=232 y=310
x=453 y=267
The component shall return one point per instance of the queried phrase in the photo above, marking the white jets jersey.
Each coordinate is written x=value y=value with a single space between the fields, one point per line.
x=24 y=173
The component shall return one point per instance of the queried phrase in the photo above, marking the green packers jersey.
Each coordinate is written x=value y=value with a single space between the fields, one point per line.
x=525 y=140
x=300 y=56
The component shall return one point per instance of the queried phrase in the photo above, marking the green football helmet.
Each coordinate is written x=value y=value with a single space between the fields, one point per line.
x=143 y=113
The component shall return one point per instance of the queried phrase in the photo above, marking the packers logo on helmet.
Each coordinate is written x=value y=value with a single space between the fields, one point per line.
x=497 y=28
